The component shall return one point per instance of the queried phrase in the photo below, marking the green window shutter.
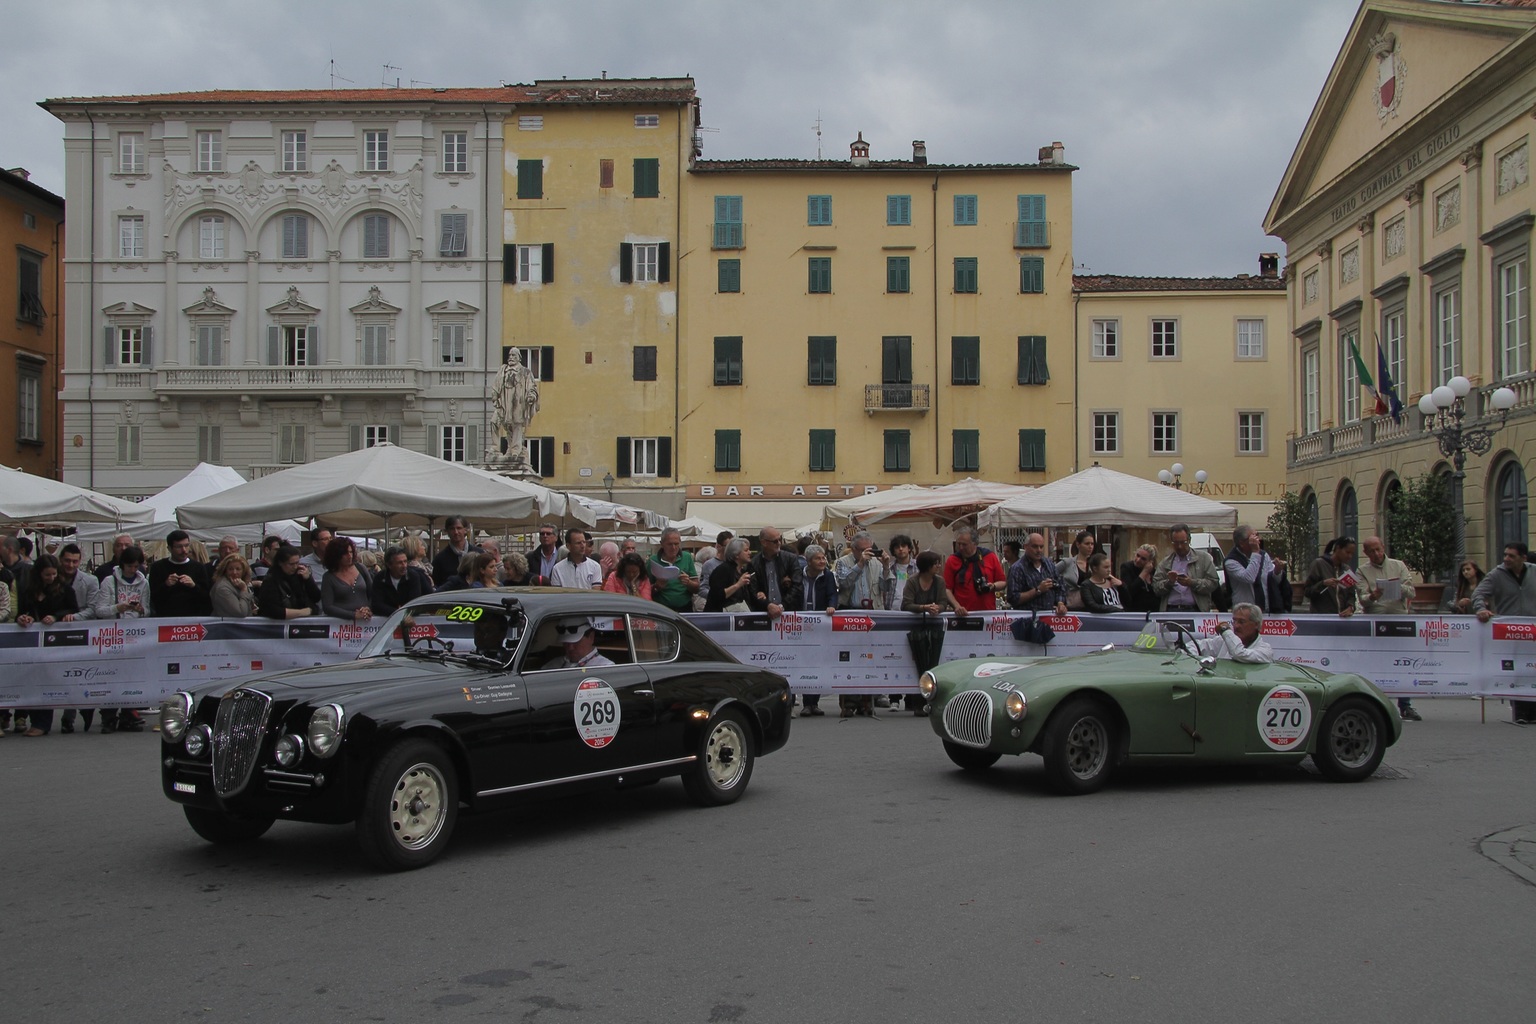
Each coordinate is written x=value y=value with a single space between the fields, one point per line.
x=898 y=274
x=1032 y=224
x=898 y=210
x=727 y=451
x=547 y=263
x=727 y=361
x=626 y=262
x=965 y=275
x=530 y=179
x=967 y=451
x=1032 y=451
x=823 y=451
x=509 y=264
x=729 y=275
x=818 y=210
x=1032 y=366
x=821 y=369
x=898 y=451
x=820 y=275
x=1031 y=275
x=965 y=361
x=647 y=178
x=965 y=210
x=728 y=223
x=645 y=362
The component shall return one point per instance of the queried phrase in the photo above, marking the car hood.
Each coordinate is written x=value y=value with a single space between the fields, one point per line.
x=987 y=672
x=369 y=678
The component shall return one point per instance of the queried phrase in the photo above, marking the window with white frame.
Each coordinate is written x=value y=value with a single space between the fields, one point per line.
x=295 y=345
x=210 y=345
x=1250 y=433
x=537 y=450
x=1250 y=339
x=1106 y=433
x=530 y=264
x=455 y=152
x=130 y=153
x=376 y=150
x=130 y=345
x=642 y=455
x=647 y=259
x=210 y=152
x=451 y=343
x=295 y=144
x=377 y=228
x=1165 y=433
x=1349 y=376
x=1514 y=315
x=453 y=236
x=210 y=237
x=29 y=286
x=295 y=240
x=29 y=400
x=647 y=120
x=210 y=444
x=454 y=444
x=1165 y=339
x=130 y=237
x=530 y=122
x=128 y=444
x=375 y=343
x=1447 y=329
x=293 y=444
x=1311 y=397
x=375 y=434
x=1394 y=345
x=533 y=360
x=1106 y=339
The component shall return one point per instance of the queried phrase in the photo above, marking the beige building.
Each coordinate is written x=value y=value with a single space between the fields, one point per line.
x=1188 y=372
x=854 y=324
x=1406 y=212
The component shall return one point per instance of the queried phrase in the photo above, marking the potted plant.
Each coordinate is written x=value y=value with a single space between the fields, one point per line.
x=1290 y=535
x=1422 y=531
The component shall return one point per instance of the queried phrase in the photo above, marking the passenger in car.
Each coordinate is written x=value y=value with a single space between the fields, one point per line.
x=580 y=646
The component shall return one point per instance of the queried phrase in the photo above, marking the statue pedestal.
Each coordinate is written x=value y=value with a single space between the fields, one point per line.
x=513 y=469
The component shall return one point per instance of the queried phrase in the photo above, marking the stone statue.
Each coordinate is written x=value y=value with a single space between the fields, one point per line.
x=516 y=401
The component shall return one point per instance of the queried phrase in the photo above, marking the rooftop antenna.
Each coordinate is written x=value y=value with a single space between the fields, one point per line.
x=817 y=126
x=384 y=78
x=337 y=77
x=416 y=81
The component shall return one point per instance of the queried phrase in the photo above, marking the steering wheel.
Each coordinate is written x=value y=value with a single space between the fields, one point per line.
x=433 y=638
x=1184 y=639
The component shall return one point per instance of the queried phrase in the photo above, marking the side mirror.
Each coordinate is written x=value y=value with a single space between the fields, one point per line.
x=1207 y=663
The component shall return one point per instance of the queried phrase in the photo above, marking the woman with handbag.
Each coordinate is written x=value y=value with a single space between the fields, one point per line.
x=1074 y=569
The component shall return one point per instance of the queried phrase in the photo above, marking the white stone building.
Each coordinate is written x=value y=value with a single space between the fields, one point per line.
x=258 y=279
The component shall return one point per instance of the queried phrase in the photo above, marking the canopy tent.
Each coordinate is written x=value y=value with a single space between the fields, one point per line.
x=947 y=502
x=1102 y=496
x=384 y=486
x=26 y=499
x=202 y=481
x=620 y=516
x=838 y=514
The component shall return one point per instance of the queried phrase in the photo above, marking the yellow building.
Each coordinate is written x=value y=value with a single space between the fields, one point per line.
x=594 y=171
x=1407 y=216
x=1187 y=372
x=31 y=334
x=856 y=324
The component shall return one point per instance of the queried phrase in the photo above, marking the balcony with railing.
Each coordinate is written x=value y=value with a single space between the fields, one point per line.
x=895 y=398
x=274 y=379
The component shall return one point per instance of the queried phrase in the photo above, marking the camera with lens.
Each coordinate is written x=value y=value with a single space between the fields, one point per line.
x=877 y=552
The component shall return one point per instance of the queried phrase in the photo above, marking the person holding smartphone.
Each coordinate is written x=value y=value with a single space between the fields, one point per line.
x=123 y=594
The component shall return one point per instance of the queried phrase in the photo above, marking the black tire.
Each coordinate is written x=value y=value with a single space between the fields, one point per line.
x=225 y=829
x=725 y=760
x=410 y=805
x=1079 y=745
x=1351 y=741
x=969 y=758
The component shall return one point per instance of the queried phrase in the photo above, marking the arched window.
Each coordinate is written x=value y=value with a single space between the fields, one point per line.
x=1314 y=519
x=1510 y=502
x=1349 y=514
x=1389 y=494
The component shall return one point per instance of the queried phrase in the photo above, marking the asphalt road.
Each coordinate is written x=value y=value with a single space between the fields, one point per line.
x=861 y=878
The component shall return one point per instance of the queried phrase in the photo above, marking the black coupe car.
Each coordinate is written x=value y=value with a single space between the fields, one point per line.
x=471 y=700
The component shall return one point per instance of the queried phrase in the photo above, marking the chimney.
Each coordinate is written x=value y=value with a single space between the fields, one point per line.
x=1055 y=153
x=1269 y=264
x=920 y=152
x=20 y=172
x=859 y=152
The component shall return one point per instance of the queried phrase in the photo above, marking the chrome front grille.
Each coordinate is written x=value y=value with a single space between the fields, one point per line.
x=237 y=731
x=968 y=718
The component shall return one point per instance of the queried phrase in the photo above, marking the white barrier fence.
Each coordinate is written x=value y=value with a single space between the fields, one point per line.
x=135 y=663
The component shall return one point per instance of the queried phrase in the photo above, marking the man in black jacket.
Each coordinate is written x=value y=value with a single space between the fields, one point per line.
x=777 y=580
x=180 y=586
x=399 y=583
x=446 y=563
x=288 y=592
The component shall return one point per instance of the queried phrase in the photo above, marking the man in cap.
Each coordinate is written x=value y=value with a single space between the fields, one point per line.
x=580 y=645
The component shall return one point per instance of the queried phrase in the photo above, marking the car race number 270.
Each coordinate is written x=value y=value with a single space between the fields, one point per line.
x=597 y=713
x=1285 y=715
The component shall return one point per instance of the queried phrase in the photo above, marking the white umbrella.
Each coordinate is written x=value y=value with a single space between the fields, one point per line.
x=620 y=515
x=383 y=485
x=202 y=481
x=838 y=514
x=947 y=502
x=1102 y=496
x=29 y=499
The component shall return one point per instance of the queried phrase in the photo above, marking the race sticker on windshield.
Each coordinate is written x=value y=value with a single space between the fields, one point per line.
x=994 y=668
x=597 y=713
x=1285 y=715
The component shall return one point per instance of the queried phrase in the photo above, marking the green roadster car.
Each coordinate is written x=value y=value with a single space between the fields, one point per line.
x=1156 y=702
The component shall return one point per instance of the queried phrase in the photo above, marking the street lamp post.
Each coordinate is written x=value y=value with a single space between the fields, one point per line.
x=1445 y=413
x=608 y=483
x=1174 y=478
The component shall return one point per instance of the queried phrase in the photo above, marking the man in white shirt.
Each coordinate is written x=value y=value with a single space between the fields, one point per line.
x=580 y=645
x=1240 y=641
x=576 y=569
x=319 y=540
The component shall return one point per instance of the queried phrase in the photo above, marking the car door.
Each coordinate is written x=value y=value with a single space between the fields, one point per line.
x=1160 y=706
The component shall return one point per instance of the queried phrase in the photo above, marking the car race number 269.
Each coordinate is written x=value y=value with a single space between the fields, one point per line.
x=597 y=713
x=1285 y=715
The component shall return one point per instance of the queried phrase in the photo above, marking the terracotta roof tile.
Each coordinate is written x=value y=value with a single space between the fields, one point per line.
x=1124 y=283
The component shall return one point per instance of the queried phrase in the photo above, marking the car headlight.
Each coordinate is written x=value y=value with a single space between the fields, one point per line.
x=325 y=729
x=927 y=685
x=175 y=713
x=197 y=741
x=1016 y=705
x=288 y=750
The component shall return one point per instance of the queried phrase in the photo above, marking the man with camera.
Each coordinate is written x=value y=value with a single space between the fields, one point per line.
x=974 y=575
x=1033 y=582
x=861 y=573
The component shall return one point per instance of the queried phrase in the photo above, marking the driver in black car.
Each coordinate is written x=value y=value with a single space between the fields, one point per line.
x=1240 y=641
x=491 y=637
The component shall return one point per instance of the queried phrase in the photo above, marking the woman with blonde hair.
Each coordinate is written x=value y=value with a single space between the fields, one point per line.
x=232 y=594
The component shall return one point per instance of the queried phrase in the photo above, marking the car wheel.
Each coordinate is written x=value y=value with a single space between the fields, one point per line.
x=1079 y=747
x=969 y=758
x=1351 y=741
x=724 y=764
x=409 y=806
x=225 y=829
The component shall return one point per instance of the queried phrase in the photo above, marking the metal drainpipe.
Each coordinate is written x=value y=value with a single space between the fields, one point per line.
x=933 y=404
x=485 y=291
x=677 y=319
x=58 y=362
x=1077 y=455
x=90 y=327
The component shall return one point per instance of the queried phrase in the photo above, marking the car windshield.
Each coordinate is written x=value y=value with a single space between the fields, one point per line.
x=449 y=628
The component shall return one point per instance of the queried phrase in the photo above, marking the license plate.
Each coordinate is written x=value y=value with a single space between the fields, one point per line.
x=184 y=787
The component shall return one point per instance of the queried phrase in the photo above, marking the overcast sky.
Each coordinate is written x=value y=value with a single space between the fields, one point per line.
x=1181 y=114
